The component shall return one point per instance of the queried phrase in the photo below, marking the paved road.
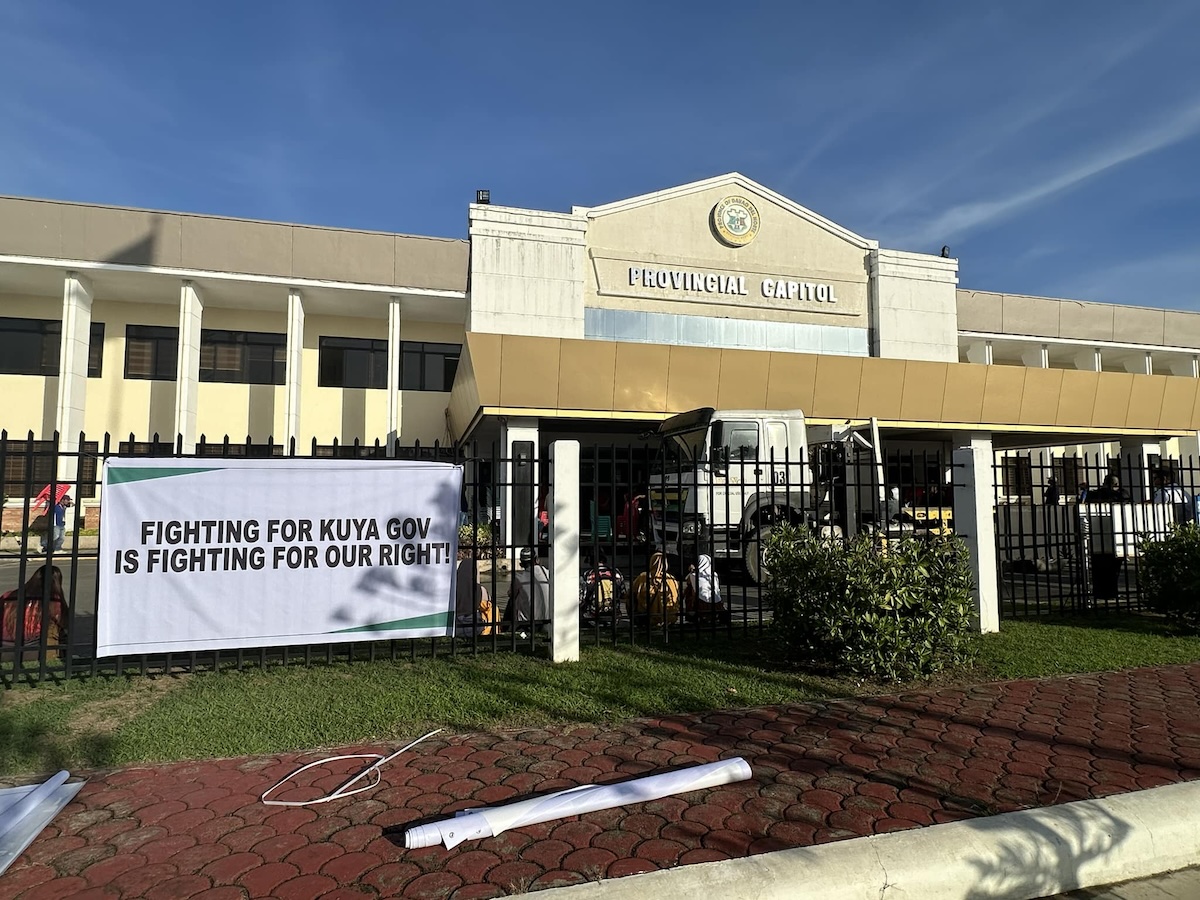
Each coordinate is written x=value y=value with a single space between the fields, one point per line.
x=1181 y=885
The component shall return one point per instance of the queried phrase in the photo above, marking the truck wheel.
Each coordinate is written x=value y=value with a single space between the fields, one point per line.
x=754 y=554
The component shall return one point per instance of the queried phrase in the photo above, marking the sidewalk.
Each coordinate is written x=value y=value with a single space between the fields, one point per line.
x=823 y=772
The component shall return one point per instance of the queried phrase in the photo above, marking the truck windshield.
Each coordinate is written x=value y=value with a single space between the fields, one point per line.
x=680 y=452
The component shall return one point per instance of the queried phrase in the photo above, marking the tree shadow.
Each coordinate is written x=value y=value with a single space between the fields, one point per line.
x=141 y=251
x=1050 y=858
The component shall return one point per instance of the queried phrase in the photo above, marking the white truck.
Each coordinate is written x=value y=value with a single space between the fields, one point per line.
x=726 y=478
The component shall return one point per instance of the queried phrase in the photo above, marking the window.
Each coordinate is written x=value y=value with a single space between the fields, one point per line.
x=352 y=363
x=32 y=347
x=1018 y=476
x=1068 y=472
x=428 y=367
x=21 y=480
x=242 y=357
x=151 y=351
x=255 y=451
x=741 y=440
x=350 y=451
x=146 y=448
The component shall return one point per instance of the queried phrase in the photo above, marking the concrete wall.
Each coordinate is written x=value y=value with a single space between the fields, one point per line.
x=675 y=233
x=1017 y=314
x=29 y=402
x=85 y=232
x=913 y=306
x=527 y=272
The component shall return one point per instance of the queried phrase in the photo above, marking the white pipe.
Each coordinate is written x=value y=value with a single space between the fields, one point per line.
x=471 y=824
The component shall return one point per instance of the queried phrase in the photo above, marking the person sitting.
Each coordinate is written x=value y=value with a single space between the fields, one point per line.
x=529 y=593
x=29 y=623
x=656 y=593
x=472 y=603
x=1110 y=491
x=600 y=591
x=702 y=592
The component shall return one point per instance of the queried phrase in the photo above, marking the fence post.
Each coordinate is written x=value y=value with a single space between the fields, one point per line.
x=564 y=551
x=974 y=499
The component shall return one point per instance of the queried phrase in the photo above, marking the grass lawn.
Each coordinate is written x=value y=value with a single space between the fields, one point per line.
x=110 y=722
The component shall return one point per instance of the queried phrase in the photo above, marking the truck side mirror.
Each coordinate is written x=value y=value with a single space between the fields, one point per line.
x=720 y=458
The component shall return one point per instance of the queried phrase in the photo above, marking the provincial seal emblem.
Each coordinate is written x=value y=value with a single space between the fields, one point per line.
x=735 y=221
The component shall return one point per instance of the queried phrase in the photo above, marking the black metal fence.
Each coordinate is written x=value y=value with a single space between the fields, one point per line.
x=49 y=576
x=1069 y=528
x=672 y=547
x=711 y=519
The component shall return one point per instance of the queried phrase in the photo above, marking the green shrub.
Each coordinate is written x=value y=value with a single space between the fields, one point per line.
x=479 y=536
x=889 y=613
x=1169 y=572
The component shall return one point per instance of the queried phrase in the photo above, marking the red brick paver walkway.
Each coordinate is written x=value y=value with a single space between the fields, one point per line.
x=822 y=772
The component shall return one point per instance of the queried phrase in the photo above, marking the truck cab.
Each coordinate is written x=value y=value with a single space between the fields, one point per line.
x=725 y=478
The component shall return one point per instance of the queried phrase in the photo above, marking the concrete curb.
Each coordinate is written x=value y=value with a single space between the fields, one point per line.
x=1012 y=856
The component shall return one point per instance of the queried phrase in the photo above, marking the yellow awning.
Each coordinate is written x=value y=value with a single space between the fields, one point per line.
x=559 y=377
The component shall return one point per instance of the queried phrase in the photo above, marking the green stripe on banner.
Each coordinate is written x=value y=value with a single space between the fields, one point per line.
x=126 y=474
x=442 y=619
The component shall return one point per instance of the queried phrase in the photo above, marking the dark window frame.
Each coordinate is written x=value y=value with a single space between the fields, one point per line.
x=248 y=343
x=435 y=365
x=332 y=362
x=45 y=457
x=49 y=334
x=159 y=337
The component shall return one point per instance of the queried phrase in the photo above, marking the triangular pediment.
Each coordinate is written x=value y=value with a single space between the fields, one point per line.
x=733 y=181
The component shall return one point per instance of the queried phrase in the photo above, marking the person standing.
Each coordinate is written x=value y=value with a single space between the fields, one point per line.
x=59 y=530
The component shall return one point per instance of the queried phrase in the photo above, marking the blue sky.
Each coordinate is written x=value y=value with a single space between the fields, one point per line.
x=1054 y=146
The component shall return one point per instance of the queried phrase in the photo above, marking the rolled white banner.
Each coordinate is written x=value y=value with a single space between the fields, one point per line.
x=12 y=816
x=472 y=824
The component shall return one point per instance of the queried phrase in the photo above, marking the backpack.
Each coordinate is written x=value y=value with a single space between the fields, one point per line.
x=657 y=595
x=603 y=587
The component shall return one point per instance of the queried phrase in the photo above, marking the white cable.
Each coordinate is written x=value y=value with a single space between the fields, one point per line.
x=341 y=791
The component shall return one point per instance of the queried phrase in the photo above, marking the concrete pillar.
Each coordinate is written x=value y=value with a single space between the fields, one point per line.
x=187 y=374
x=519 y=477
x=563 y=506
x=980 y=352
x=395 y=411
x=74 y=345
x=294 y=356
x=974 y=501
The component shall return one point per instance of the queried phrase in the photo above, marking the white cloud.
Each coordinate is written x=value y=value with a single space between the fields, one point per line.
x=1169 y=280
x=964 y=218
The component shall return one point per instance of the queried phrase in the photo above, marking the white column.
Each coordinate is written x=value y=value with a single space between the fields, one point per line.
x=511 y=432
x=1186 y=366
x=187 y=373
x=974 y=500
x=1139 y=365
x=294 y=356
x=1088 y=360
x=74 y=345
x=395 y=411
x=564 y=551
x=1037 y=357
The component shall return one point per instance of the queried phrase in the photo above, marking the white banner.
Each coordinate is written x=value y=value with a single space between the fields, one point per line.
x=199 y=554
